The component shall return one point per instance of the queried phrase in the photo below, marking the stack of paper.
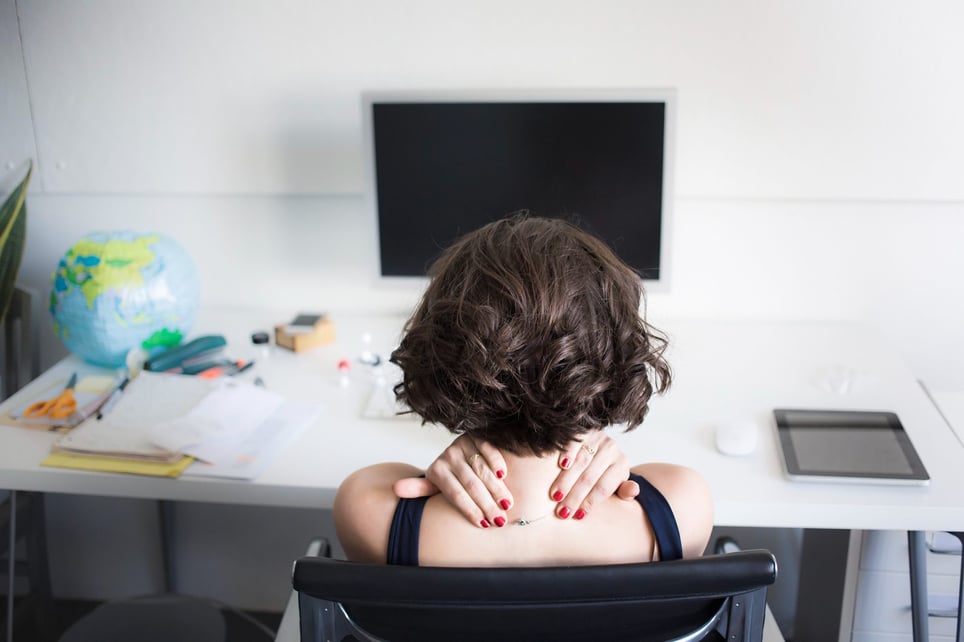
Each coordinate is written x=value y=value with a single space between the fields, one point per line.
x=118 y=465
x=149 y=400
x=162 y=422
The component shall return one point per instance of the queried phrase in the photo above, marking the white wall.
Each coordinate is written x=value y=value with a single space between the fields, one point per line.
x=820 y=145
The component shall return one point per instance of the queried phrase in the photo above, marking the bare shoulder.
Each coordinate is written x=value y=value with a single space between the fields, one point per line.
x=363 y=510
x=689 y=496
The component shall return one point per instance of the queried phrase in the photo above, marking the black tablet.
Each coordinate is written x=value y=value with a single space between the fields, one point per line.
x=849 y=446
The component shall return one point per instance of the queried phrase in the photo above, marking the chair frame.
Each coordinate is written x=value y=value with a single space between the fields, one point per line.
x=22 y=514
x=341 y=600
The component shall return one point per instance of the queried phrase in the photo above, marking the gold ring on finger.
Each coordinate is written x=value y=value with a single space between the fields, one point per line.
x=589 y=449
x=474 y=463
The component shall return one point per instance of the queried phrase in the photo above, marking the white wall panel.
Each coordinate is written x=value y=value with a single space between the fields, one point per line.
x=883 y=604
x=779 y=100
x=16 y=131
x=895 y=267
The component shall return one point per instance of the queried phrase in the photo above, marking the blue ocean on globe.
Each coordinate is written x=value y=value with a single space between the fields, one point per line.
x=115 y=291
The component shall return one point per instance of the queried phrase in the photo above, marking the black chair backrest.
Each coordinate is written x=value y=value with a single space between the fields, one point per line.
x=712 y=597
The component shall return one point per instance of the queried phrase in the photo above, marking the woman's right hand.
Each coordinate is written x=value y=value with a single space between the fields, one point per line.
x=470 y=474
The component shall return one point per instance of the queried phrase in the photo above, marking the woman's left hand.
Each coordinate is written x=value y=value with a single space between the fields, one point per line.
x=592 y=470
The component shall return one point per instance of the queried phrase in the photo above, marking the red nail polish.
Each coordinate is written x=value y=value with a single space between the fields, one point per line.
x=557 y=495
x=504 y=503
x=500 y=473
x=485 y=523
x=564 y=512
x=579 y=514
x=565 y=462
x=499 y=521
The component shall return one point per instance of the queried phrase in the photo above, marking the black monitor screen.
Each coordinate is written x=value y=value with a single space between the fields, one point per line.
x=442 y=169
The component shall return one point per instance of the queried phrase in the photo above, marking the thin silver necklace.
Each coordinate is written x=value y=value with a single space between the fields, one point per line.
x=526 y=522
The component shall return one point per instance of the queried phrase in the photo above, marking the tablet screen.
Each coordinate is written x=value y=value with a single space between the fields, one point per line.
x=870 y=445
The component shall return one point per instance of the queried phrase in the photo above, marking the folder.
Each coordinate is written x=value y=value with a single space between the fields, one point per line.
x=118 y=464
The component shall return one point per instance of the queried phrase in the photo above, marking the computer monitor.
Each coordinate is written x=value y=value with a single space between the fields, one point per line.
x=443 y=164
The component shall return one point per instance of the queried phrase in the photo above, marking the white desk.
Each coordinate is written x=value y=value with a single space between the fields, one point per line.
x=721 y=369
x=951 y=404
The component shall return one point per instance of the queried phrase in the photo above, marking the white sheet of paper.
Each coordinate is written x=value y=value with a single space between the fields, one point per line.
x=253 y=454
x=213 y=428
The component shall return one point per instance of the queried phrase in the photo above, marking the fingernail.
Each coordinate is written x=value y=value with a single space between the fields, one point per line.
x=485 y=523
x=557 y=495
x=579 y=514
x=500 y=473
x=499 y=521
x=564 y=512
x=565 y=462
x=504 y=503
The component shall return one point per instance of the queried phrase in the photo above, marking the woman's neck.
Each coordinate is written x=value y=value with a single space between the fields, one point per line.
x=530 y=479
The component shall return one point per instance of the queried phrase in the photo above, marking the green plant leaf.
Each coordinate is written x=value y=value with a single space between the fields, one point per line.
x=13 y=234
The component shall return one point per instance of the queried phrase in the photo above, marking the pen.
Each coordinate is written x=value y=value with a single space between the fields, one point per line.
x=112 y=399
x=246 y=366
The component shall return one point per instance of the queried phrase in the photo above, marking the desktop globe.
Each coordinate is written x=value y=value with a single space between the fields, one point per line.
x=116 y=291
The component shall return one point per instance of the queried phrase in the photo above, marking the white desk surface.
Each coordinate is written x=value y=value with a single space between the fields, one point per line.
x=951 y=404
x=737 y=369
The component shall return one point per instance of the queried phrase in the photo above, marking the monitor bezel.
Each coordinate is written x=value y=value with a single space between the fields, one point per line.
x=666 y=96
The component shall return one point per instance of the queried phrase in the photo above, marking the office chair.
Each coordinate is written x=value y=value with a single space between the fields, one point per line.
x=719 y=597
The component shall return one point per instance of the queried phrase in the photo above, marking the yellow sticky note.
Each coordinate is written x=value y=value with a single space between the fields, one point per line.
x=95 y=384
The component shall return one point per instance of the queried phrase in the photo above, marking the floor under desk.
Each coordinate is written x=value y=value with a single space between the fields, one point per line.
x=66 y=612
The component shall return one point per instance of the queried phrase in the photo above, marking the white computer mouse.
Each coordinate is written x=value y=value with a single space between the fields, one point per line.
x=736 y=437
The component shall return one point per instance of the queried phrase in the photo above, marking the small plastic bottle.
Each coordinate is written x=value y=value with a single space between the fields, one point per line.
x=368 y=357
x=344 y=373
x=262 y=345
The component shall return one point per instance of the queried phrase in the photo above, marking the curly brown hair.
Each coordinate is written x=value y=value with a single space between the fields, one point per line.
x=528 y=336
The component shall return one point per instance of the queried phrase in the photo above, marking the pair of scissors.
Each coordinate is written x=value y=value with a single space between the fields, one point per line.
x=60 y=407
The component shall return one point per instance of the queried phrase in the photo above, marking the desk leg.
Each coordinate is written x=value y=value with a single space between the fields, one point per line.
x=12 y=552
x=960 y=594
x=917 y=562
x=828 y=574
x=168 y=552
